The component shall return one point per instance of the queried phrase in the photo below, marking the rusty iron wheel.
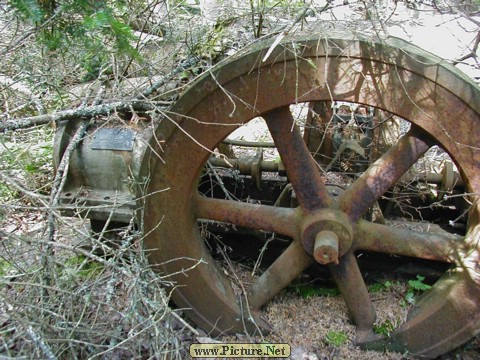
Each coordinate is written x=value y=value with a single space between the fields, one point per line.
x=442 y=106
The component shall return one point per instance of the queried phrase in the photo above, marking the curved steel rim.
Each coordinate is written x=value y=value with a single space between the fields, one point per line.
x=320 y=69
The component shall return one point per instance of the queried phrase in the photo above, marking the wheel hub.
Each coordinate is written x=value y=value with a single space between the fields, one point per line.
x=362 y=70
x=327 y=234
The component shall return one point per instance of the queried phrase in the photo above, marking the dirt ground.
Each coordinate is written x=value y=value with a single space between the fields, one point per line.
x=317 y=326
x=305 y=324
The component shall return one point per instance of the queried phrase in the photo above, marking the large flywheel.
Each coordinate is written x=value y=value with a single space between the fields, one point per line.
x=440 y=103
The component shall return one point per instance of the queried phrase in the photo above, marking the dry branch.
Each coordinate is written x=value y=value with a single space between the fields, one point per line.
x=19 y=86
x=473 y=53
x=188 y=64
x=79 y=113
x=138 y=103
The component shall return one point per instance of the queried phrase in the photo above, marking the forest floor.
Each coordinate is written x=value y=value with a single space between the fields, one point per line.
x=76 y=297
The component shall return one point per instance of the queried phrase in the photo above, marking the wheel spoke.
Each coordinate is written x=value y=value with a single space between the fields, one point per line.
x=354 y=291
x=260 y=217
x=281 y=273
x=440 y=246
x=434 y=97
x=302 y=170
x=382 y=175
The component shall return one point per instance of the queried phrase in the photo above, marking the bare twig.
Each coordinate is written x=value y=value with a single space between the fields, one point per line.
x=191 y=62
x=57 y=186
x=285 y=30
x=220 y=182
x=473 y=53
x=62 y=170
x=19 y=86
x=42 y=345
x=31 y=194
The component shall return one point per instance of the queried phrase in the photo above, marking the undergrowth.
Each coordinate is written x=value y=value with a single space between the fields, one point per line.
x=84 y=305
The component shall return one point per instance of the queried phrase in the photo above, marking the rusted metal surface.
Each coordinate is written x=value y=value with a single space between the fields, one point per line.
x=261 y=217
x=275 y=278
x=442 y=317
x=353 y=289
x=246 y=167
x=325 y=249
x=326 y=220
x=302 y=170
x=424 y=245
x=392 y=76
x=381 y=176
x=102 y=171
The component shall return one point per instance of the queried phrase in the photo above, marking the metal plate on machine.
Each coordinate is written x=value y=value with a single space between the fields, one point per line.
x=113 y=139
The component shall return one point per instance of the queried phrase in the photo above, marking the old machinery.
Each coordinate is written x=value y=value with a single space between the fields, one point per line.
x=167 y=176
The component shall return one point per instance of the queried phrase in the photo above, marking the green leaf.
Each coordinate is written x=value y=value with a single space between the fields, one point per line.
x=378 y=287
x=311 y=63
x=4 y=267
x=409 y=298
x=82 y=267
x=418 y=284
x=384 y=329
x=375 y=288
x=97 y=21
x=307 y=291
x=336 y=338
x=103 y=22
x=28 y=9
x=6 y=193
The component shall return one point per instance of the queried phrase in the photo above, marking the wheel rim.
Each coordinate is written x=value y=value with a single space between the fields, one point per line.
x=308 y=70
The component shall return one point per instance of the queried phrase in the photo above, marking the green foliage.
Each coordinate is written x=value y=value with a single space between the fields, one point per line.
x=82 y=267
x=91 y=31
x=418 y=284
x=415 y=287
x=4 y=267
x=408 y=299
x=94 y=62
x=379 y=287
x=336 y=338
x=6 y=194
x=375 y=288
x=32 y=162
x=308 y=290
x=210 y=44
x=28 y=9
x=385 y=328
x=186 y=6
x=105 y=24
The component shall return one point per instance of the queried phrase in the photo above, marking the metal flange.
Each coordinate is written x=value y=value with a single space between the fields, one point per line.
x=327 y=235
